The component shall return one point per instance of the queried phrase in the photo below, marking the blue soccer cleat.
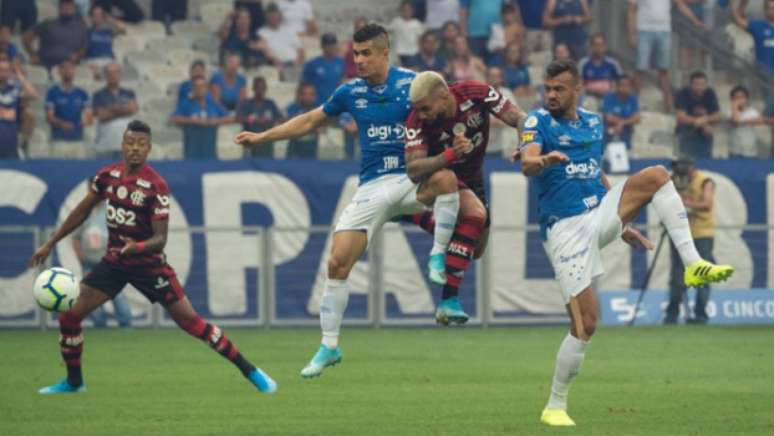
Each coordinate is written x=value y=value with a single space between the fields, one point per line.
x=63 y=387
x=449 y=311
x=436 y=268
x=262 y=381
x=324 y=358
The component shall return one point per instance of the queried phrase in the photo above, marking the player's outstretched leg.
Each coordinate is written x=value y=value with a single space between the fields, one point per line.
x=346 y=248
x=458 y=256
x=654 y=184
x=186 y=317
x=583 y=322
x=442 y=186
x=71 y=340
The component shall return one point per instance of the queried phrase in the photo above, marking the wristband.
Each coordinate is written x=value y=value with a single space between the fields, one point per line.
x=139 y=247
x=449 y=156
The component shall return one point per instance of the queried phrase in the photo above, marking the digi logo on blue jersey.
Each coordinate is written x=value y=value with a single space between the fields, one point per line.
x=380 y=111
x=582 y=170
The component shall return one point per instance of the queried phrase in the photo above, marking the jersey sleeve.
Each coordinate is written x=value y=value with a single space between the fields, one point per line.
x=531 y=133
x=415 y=139
x=337 y=103
x=98 y=184
x=495 y=102
x=160 y=202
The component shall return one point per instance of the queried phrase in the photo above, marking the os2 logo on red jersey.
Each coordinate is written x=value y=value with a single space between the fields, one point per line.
x=120 y=216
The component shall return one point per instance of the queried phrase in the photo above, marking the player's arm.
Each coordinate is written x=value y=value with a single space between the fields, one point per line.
x=533 y=163
x=73 y=220
x=419 y=166
x=514 y=116
x=300 y=125
x=154 y=244
x=739 y=14
x=549 y=22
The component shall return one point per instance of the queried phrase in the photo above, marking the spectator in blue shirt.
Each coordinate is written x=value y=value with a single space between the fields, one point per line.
x=259 y=114
x=697 y=112
x=236 y=36
x=598 y=70
x=99 y=39
x=476 y=19
x=228 y=86
x=304 y=147
x=515 y=71
x=567 y=18
x=621 y=110
x=199 y=117
x=68 y=109
x=762 y=32
x=113 y=107
x=428 y=58
x=198 y=70
x=11 y=108
x=8 y=47
x=325 y=71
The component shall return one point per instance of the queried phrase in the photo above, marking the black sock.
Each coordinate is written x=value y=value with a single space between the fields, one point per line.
x=243 y=364
x=450 y=291
x=74 y=376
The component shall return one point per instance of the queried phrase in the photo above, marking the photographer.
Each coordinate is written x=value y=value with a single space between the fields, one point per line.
x=698 y=193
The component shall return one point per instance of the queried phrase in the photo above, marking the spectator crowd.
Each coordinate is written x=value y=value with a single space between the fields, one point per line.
x=262 y=43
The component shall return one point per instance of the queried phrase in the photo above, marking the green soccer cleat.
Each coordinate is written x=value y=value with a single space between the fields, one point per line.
x=556 y=418
x=324 y=358
x=436 y=268
x=702 y=273
x=450 y=311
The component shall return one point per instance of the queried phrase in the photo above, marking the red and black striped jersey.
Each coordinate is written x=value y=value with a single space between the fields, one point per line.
x=474 y=102
x=133 y=203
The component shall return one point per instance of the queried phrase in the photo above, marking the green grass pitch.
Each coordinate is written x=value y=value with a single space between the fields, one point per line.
x=645 y=381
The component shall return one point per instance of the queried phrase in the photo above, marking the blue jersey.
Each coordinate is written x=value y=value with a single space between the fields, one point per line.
x=574 y=187
x=380 y=112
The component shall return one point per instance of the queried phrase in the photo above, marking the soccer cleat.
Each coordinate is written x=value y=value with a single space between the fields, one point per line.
x=324 y=358
x=556 y=418
x=262 y=381
x=436 y=268
x=449 y=311
x=702 y=272
x=63 y=387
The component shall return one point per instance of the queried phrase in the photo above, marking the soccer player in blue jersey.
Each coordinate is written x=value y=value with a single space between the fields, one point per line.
x=580 y=213
x=379 y=101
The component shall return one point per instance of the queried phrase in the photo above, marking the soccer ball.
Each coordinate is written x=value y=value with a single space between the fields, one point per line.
x=56 y=289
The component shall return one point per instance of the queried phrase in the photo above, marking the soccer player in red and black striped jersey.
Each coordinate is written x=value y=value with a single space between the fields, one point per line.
x=137 y=200
x=449 y=128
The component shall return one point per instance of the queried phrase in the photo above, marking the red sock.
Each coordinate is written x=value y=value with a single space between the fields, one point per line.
x=71 y=346
x=424 y=220
x=460 y=253
x=217 y=340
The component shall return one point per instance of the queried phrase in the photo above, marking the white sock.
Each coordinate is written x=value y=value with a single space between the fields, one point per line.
x=332 y=307
x=669 y=207
x=568 y=363
x=445 y=213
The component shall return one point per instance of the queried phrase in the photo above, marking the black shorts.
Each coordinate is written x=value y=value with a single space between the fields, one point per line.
x=158 y=285
x=480 y=192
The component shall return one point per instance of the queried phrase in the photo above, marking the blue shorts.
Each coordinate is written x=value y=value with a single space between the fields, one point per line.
x=656 y=46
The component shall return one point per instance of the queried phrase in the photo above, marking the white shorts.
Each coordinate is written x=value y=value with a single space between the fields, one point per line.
x=378 y=201
x=573 y=244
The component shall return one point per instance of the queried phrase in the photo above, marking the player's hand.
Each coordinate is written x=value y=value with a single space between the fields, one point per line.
x=516 y=155
x=40 y=255
x=130 y=247
x=555 y=158
x=247 y=139
x=634 y=238
x=461 y=145
x=67 y=126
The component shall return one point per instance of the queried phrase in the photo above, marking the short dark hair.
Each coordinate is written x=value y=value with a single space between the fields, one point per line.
x=371 y=31
x=258 y=79
x=407 y=2
x=739 y=88
x=139 y=127
x=697 y=75
x=557 y=67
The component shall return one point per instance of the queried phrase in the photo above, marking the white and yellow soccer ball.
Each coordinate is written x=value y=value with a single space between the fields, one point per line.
x=56 y=289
